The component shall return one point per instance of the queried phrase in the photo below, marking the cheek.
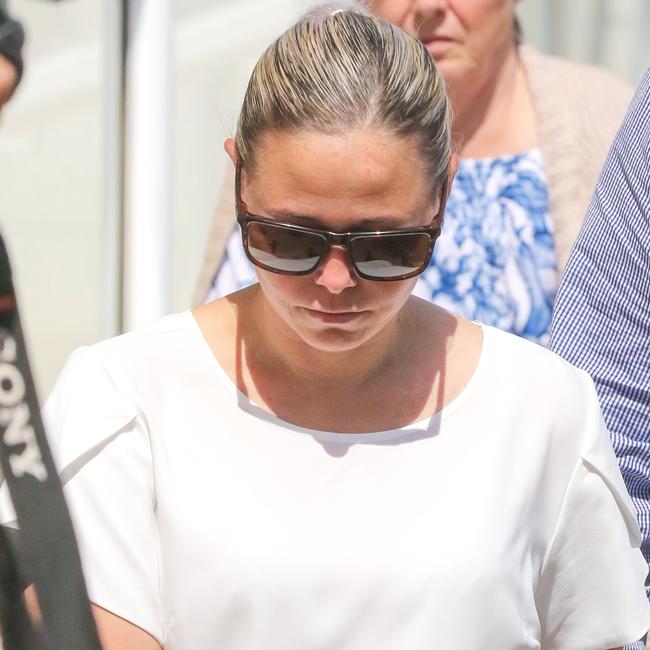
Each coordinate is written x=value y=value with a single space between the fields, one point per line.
x=389 y=297
x=398 y=12
x=280 y=289
x=485 y=21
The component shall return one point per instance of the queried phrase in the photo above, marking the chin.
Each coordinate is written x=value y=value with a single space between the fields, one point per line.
x=335 y=340
x=448 y=69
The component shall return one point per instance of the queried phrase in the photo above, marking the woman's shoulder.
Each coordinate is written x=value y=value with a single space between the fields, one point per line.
x=536 y=396
x=111 y=370
x=519 y=351
x=574 y=80
x=109 y=388
x=168 y=326
x=534 y=375
x=156 y=344
x=177 y=347
x=584 y=99
x=578 y=109
x=505 y=371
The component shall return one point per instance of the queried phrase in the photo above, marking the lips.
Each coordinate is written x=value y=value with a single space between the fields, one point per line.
x=436 y=44
x=339 y=316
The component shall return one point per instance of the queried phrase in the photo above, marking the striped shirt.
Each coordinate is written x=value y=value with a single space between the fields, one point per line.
x=601 y=320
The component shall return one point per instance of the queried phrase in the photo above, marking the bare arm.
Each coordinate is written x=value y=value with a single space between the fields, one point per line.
x=115 y=633
x=12 y=38
x=8 y=80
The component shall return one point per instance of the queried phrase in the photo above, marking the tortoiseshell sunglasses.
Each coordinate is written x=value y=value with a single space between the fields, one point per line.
x=380 y=255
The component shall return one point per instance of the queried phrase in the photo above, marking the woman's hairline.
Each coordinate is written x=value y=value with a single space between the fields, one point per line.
x=250 y=164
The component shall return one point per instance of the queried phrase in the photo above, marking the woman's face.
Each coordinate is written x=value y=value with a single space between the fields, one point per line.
x=461 y=35
x=360 y=180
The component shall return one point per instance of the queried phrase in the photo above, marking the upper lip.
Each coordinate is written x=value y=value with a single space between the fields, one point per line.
x=427 y=38
x=335 y=311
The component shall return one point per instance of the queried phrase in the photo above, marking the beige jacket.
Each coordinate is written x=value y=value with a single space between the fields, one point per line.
x=578 y=110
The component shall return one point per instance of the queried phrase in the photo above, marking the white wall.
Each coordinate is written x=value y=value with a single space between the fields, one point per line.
x=611 y=33
x=50 y=180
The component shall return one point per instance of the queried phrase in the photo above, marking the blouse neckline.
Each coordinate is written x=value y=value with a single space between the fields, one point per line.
x=387 y=435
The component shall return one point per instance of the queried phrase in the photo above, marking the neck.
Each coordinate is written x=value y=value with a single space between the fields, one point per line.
x=494 y=113
x=272 y=345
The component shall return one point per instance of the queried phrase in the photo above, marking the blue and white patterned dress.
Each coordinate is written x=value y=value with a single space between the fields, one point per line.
x=495 y=261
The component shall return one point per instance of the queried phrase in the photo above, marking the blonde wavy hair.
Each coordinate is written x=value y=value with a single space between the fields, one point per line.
x=340 y=68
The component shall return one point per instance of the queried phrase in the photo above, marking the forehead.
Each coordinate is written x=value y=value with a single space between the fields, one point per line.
x=357 y=173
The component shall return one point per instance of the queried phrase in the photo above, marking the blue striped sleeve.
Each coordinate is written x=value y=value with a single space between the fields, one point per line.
x=601 y=321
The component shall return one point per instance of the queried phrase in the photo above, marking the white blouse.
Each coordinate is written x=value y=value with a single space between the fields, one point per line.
x=500 y=523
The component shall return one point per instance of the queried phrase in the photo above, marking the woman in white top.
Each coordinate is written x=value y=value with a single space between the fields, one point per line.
x=322 y=461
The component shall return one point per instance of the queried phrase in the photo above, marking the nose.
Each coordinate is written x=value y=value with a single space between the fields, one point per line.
x=427 y=6
x=429 y=11
x=335 y=272
x=411 y=14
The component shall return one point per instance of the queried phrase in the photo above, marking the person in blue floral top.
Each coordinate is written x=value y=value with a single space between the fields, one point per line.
x=495 y=261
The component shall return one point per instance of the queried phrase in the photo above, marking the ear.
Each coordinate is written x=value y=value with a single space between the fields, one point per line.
x=231 y=150
x=454 y=161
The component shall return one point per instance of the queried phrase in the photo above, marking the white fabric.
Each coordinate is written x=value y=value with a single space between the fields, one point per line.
x=501 y=523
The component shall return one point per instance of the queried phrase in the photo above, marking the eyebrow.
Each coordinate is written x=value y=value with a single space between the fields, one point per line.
x=383 y=222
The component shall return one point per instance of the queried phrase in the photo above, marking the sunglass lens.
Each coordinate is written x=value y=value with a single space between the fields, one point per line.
x=390 y=256
x=284 y=249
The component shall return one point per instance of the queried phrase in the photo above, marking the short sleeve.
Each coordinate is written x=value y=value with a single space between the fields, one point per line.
x=101 y=448
x=591 y=592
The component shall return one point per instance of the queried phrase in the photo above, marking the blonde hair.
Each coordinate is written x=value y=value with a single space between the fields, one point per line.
x=339 y=69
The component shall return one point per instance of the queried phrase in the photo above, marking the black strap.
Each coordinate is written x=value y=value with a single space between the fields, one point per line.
x=18 y=633
x=46 y=535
